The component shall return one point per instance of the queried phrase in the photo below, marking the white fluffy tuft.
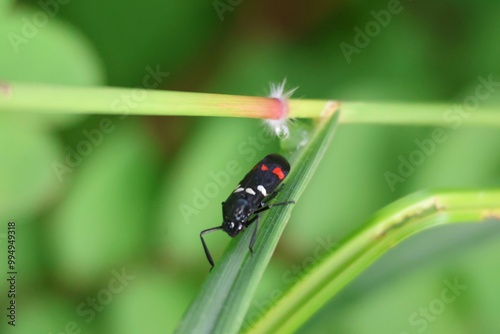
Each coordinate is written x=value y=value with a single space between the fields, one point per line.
x=280 y=127
x=277 y=90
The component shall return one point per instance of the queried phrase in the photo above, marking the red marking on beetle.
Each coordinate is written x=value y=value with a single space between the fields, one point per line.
x=264 y=167
x=279 y=173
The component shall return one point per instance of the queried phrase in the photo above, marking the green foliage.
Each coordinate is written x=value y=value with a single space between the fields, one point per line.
x=119 y=207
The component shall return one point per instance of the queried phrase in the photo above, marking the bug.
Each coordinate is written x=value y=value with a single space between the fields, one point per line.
x=250 y=198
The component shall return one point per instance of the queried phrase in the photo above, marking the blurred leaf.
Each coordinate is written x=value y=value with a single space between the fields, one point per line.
x=104 y=219
x=164 y=297
x=23 y=189
x=5 y=6
x=446 y=163
x=46 y=312
x=354 y=161
x=53 y=52
x=132 y=36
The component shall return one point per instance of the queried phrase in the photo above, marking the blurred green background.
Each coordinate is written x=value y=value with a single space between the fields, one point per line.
x=109 y=243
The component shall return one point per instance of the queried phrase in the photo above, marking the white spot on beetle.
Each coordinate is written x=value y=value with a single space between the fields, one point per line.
x=262 y=190
x=238 y=190
x=250 y=191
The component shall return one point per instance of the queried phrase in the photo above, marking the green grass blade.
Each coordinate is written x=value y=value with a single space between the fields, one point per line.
x=226 y=295
x=387 y=228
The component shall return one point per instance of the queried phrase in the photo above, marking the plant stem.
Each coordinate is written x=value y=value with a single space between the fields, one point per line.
x=37 y=98
x=131 y=101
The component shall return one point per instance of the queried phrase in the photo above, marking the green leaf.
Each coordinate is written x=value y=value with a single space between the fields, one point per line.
x=224 y=299
x=23 y=189
x=54 y=52
x=102 y=219
x=387 y=228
